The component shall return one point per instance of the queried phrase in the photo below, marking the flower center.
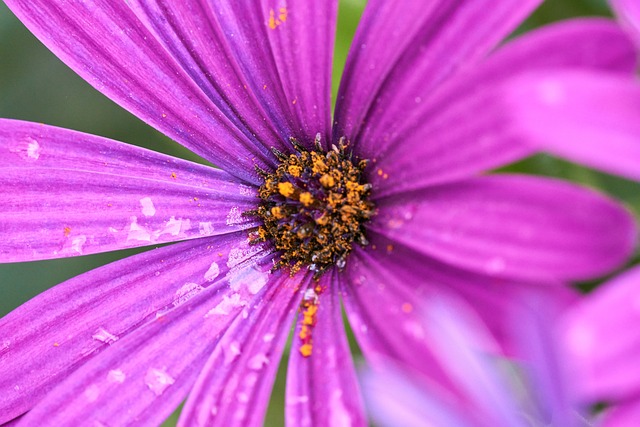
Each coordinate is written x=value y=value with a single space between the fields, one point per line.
x=313 y=207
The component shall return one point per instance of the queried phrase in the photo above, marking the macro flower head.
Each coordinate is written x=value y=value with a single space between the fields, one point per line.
x=375 y=205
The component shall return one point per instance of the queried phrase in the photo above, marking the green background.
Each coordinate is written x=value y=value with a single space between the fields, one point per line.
x=36 y=86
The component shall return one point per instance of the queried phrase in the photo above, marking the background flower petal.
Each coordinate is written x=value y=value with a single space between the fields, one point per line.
x=322 y=388
x=529 y=228
x=111 y=48
x=150 y=371
x=412 y=47
x=602 y=342
x=66 y=193
x=586 y=117
x=629 y=12
x=234 y=386
x=465 y=127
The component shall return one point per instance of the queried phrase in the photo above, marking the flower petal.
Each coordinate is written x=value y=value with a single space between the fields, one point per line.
x=590 y=118
x=234 y=386
x=629 y=12
x=512 y=226
x=465 y=127
x=243 y=45
x=606 y=372
x=385 y=281
x=46 y=339
x=109 y=46
x=625 y=415
x=322 y=388
x=150 y=371
x=66 y=193
x=433 y=43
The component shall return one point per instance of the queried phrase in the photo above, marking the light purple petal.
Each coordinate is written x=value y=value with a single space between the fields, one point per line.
x=394 y=397
x=465 y=127
x=629 y=12
x=404 y=47
x=66 y=193
x=150 y=371
x=44 y=340
x=603 y=342
x=234 y=386
x=109 y=46
x=512 y=226
x=590 y=118
x=322 y=388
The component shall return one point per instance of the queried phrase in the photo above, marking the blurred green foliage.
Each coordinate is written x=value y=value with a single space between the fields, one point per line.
x=36 y=86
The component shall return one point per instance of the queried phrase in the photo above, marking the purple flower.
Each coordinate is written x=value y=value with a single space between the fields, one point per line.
x=246 y=86
x=483 y=389
x=629 y=13
x=601 y=340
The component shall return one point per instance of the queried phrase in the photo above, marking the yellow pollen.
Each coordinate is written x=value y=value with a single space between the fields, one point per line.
x=327 y=181
x=305 y=350
x=67 y=231
x=173 y=175
x=306 y=199
x=295 y=170
x=276 y=211
x=286 y=189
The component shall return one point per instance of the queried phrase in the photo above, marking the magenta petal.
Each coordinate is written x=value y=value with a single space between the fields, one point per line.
x=512 y=226
x=66 y=193
x=234 y=386
x=465 y=127
x=606 y=372
x=150 y=371
x=589 y=118
x=437 y=40
x=302 y=39
x=110 y=47
x=322 y=388
x=629 y=12
x=47 y=338
x=625 y=415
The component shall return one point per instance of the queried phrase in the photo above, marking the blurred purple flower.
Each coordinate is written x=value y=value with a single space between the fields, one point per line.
x=484 y=390
x=421 y=98
x=629 y=12
x=602 y=341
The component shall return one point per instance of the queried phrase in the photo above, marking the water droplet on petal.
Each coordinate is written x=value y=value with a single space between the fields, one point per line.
x=105 y=336
x=116 y=376
x=158 y=380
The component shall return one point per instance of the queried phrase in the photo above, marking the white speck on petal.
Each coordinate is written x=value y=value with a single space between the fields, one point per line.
x=137 y=232
x=205 y=228
x=105 y=336
x=158 y=380
x=258 y=361
x=234 y=216
x=253 y=279
x=186 y=292
x=77 y=243
x=247 y=191
x=92 y=393
x=339 y=414
x=212 y=272
x=225 y=306
x=268 y=337
x=175 y=226
x=147 y=207
x=116 y=376
x=27 y=148
x=231 y=352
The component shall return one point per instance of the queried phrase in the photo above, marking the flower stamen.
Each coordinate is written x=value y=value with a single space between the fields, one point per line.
x=313 y=207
